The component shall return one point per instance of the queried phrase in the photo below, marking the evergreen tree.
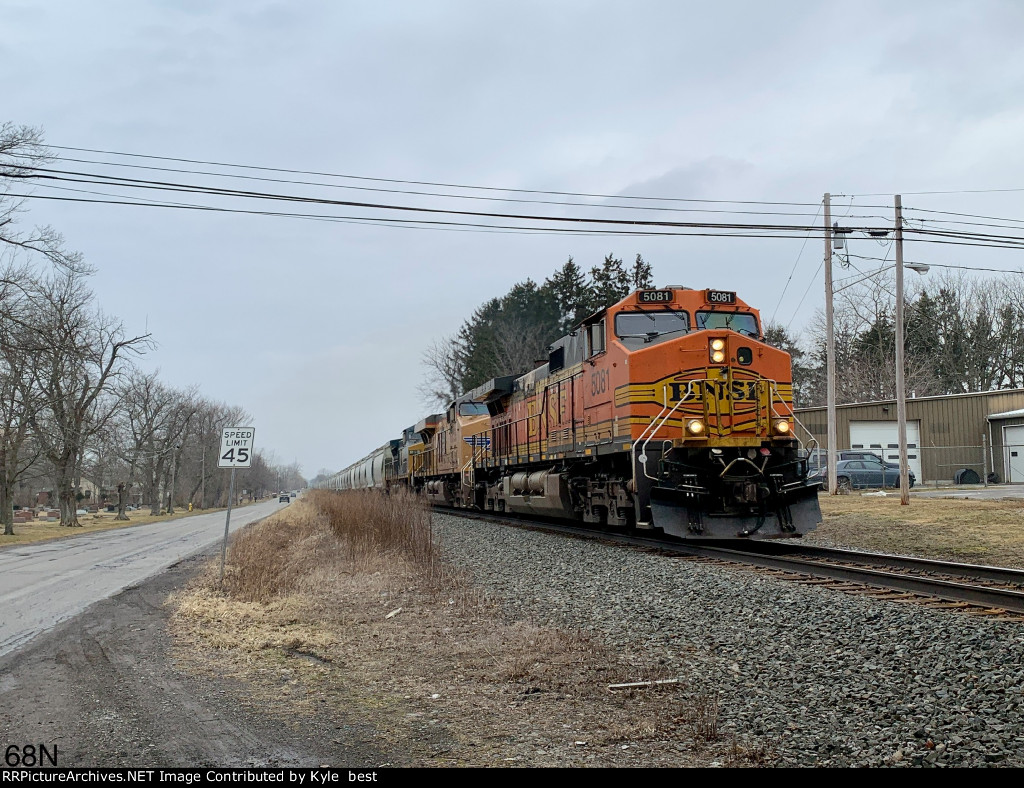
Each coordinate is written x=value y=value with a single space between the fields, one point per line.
x=510 y=334
x=568 y=285
x=641 y=275
x=609 y=283
x=803 y=374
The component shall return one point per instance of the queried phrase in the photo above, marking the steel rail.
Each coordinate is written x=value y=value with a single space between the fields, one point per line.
x=997 y=574
x=994 y=598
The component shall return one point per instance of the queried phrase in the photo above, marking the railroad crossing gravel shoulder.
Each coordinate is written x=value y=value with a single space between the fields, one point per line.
x=815 y=676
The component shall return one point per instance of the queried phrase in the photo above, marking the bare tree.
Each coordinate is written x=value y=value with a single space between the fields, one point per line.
x=22 y=155
x=155 y=419
x=81 y=353
x=519 y=345
x=19 y=400
x=21 y=150
x=445 y=365
x=199 y=475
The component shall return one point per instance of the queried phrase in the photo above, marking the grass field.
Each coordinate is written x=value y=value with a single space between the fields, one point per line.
x=990 y=532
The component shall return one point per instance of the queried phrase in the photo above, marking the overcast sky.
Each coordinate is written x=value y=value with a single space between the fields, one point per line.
x=317 y=328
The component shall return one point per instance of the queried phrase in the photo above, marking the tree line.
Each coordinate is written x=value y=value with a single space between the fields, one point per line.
x=510 y=334
x=73 y=404
x=961 y=333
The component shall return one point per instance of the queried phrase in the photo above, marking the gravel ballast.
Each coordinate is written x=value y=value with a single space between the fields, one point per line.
x=812 y=675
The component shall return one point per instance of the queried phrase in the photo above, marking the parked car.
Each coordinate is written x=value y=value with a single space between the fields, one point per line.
x=866 y=472
x=818 y=458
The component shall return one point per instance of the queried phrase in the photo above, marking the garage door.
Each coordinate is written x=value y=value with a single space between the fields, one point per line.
x=882 y=438
x=1013 y=442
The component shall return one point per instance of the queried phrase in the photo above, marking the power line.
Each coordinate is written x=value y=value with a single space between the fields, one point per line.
x=120 y=181
x=946 y=265
x=981 y=240
x=956 y=191
x=810 y=284
x=973 y=268
x=795 y=263
x=953 y=237
x=967 y=215
x=142 y=201
x=426 y=183
x=431 y=194
x=414 y=222
x=135 y=183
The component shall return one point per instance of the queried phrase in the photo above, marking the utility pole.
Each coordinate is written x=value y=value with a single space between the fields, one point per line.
x=901 y=395
x=830 y=351
x=202 y=478
x=174 y=467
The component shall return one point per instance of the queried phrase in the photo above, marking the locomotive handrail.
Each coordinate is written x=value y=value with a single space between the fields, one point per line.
x=775 y=390
x=643 y=449
x=643 y=433
x=470 y=463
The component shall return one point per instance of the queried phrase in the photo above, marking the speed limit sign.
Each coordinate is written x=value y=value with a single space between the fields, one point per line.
x=236 y=447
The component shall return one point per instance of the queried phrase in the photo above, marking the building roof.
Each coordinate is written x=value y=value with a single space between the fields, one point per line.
x=990 y=393
x=1010 y=414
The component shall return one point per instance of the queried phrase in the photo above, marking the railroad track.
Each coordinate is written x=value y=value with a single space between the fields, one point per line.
x=970 y=588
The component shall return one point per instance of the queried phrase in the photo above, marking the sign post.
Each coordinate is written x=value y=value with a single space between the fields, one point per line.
x=235 y=452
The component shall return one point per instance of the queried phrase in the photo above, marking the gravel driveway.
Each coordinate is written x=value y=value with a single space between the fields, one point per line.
x=816 y=676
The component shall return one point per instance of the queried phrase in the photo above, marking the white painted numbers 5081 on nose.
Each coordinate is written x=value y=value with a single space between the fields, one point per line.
x=236 y=445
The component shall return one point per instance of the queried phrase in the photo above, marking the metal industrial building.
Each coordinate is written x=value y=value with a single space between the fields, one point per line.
x=982 y=431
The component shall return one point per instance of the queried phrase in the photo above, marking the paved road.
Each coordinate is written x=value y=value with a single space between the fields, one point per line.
x=974 y=492
x=45 y=583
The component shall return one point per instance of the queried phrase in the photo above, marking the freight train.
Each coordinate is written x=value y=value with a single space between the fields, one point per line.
x=664 y=411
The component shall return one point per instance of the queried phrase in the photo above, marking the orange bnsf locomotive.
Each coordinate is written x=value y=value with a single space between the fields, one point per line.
x=664 y=411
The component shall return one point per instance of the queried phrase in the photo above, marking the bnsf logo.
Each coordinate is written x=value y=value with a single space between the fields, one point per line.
x=737 y=391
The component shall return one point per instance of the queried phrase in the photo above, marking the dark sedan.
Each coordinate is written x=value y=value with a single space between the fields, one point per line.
x=865 y=473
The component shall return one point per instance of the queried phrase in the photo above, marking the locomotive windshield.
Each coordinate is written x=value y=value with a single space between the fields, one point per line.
x=472 y=409
x=741 y=322
x=650 y=326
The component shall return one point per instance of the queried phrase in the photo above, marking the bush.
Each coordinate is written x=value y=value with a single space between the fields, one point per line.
x=357 y=527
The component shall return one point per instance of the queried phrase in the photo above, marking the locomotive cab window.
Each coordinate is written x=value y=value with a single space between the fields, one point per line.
x=472 y=409
x=638 y=328
x=741 y=322
x=595 y=338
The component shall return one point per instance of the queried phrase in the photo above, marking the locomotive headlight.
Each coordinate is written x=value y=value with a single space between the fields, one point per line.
x=695 y=427
x=717 y=351
x=782 y=427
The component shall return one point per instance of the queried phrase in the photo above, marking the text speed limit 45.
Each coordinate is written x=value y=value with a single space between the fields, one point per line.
x=236 y=445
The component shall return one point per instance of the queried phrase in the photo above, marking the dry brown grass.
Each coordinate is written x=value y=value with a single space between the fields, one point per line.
x=957 y=530
x=357 y=529
x=331 y=609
